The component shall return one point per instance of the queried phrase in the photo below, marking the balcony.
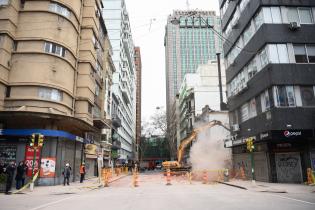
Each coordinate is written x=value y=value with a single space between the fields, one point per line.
x=116 y=121
x=99 y=120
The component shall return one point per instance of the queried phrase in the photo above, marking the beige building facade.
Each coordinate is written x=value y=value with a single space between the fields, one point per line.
x=55 y=79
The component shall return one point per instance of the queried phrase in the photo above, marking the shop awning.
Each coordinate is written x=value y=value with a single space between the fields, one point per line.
x=45 y=132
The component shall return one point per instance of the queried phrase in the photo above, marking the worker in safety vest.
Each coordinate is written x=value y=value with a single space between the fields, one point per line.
x=82 y=172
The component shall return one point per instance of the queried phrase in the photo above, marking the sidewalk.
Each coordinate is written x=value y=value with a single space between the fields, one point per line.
x=271 y=187
x=73 y=188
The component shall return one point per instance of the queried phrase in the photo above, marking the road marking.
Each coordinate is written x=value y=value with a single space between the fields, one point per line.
x=293 y=199
x=51 y=203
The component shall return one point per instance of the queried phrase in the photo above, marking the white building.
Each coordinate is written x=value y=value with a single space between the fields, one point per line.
x=198 y=90
x=117 y=23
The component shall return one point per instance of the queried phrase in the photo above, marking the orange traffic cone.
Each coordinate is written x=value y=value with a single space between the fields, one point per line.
x=205 y=177
x=168 y=177
x=310 y=177
x=135 y=178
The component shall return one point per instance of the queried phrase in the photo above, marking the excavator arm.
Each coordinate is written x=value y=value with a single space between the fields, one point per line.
x=183 y=145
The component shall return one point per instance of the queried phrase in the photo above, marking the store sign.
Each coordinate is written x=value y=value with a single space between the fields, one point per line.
x=29 y=157
x=289 y=134
x=264 y=136
x=91 y=149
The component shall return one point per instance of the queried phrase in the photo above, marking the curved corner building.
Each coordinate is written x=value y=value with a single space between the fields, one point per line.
x=52 y=73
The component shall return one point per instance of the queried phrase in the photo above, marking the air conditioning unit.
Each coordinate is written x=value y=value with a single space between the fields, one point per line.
x=293 y=26
x=235 y=127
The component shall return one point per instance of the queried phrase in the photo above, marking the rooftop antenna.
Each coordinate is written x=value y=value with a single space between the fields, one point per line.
x=187 y=4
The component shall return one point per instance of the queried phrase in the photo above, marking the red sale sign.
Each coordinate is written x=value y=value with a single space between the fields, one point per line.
x=29 y=156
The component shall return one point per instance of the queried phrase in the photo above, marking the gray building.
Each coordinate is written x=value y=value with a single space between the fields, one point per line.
x=269 y=57
x=124 y=79
x=188 y=42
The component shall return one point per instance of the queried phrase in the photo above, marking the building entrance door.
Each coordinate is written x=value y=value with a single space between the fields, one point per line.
x=288 y=166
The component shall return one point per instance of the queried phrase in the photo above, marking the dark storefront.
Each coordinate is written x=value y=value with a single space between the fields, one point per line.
x=280 y=155
x=59 y=147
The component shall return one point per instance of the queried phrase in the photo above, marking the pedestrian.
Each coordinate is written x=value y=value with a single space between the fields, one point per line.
x=10 y=169
x=24 y=174
x=20 y=175
x=82 y=172
x=66 y=174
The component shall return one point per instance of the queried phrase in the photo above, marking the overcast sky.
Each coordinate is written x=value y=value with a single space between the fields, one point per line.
x=148 y=19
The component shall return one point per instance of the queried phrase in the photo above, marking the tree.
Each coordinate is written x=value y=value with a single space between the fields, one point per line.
x=158 y=126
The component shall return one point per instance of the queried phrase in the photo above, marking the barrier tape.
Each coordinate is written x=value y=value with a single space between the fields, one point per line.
x=27 y=184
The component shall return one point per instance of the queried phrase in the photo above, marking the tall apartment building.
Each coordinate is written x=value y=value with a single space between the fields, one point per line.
x=271 y=85
x=138 y=99
x=52 y=82
x=124 y=79
x=188 y=42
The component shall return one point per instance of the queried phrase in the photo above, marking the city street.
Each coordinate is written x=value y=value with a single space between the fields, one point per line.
x=153 y=193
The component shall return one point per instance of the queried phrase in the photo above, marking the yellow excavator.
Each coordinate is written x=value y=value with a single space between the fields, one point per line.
x=177 y=165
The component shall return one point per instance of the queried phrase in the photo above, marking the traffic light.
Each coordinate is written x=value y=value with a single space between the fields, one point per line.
x=250 y=144
x=37 y=140
x=40 y=140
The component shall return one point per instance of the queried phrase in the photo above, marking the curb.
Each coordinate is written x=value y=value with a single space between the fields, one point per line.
x=233 y=185
x=101 y=185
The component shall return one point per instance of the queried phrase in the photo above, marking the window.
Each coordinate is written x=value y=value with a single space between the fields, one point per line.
x=271 y=15
x=248 y=33
x=265 y=101
x=97 y=89
x=308 y=95
x=50 y=94
x=293 y=15
x=284 y=96
x=300 y=54
x=4 y=2
x=243 y=4
x=301 y=15
x=305 y=15
x=90 y=108
x=311 y=53
x=275 y=14
x=258 y=20
x=54 y=7
x=55 y=49
x=283 y=53
x=252 y=108
x=244 y=112
x=8 y=92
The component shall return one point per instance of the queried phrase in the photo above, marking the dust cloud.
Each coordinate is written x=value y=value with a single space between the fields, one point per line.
x=208 y=152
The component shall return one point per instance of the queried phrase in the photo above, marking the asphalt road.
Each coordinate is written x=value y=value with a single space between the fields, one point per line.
x=153 y=194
